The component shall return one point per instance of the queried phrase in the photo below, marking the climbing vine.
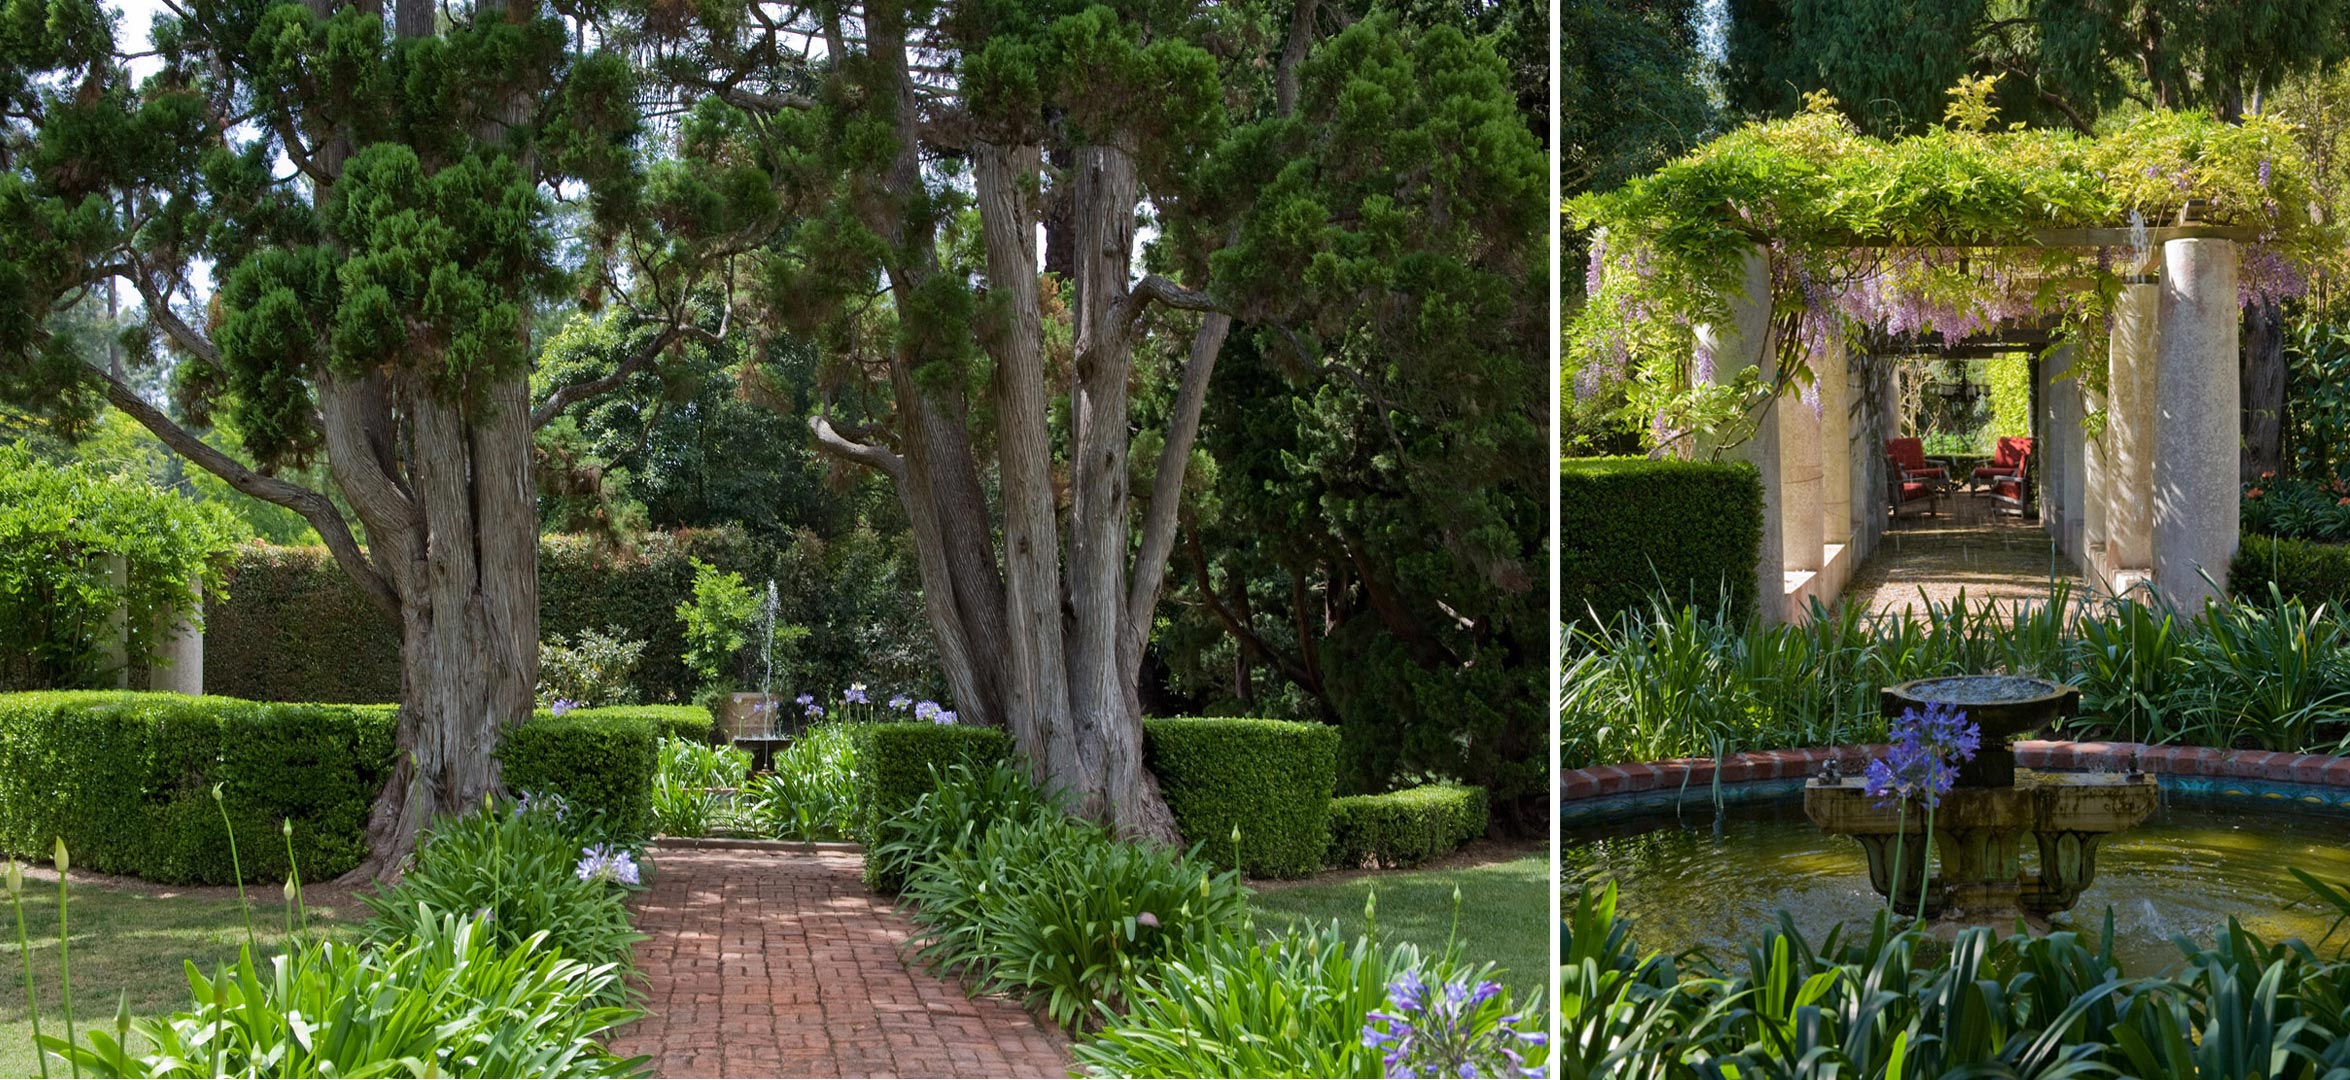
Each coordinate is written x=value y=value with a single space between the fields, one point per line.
x=1945 y=232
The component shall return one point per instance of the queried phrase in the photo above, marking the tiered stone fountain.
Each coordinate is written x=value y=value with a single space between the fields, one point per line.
x=1992 y=809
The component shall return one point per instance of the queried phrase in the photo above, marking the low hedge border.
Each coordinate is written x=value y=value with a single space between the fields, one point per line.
x=897 y=764
x=1404 y=828
x=598 y=760
x=1270 y=779
x=2315 y=572
x=126 y=779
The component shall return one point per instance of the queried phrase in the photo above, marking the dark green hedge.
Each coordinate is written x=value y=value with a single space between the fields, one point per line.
x=293 y=627
x=1404 y=828
x=2307 y=569
x=1271 y=779
x=896 y=765
x=126 y=780
x=1630 y=527
x=598 y=760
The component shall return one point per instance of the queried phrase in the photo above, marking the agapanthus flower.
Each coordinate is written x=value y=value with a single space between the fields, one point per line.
x=899 y=703
x=804 y=700
x=944 y=716
x=927 y=710
x=1459 y=1030
x=607 y=864
x=1923 y=760
x=562 y=705
x=855 y=695
x=815 y=712
x=546 y=802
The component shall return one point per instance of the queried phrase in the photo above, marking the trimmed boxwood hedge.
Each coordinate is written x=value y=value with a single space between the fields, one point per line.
x=896 y=766
x=126 y=780
x=1630 y=527
x=1271 y=779
x=2315 y=572
x=1404 y=828
x=598 y=760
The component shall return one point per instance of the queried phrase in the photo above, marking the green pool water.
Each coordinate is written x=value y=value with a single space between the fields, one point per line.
x=1697 y=878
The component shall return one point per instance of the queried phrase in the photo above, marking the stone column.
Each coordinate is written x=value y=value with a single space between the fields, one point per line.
x=1835 y=442
x=2197 y=426
x=2129 y=427
x=2068 y=466
x=1741 y=342
x=2096 y=480
x=115 y=647
x=178 y=665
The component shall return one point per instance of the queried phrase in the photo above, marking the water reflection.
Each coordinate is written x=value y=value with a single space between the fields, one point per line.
x=1701 y=878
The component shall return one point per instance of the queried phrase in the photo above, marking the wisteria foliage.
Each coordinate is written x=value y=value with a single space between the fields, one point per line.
x=1932 y=234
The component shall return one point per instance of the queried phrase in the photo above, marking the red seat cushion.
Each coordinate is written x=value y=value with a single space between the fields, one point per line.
x=1915 y=489
x=2009 y=488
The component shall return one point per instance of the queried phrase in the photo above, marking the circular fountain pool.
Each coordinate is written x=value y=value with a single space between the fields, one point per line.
x=1691 y=876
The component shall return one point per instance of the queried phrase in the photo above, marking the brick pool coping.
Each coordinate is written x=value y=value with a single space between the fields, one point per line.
x=1599 y=781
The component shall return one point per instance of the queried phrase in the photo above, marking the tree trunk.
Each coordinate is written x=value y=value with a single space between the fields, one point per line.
x=462 y=548
x=2264 y=389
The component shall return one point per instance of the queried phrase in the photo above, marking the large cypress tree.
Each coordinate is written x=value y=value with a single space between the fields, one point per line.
x=372 y=193
x=921 y=147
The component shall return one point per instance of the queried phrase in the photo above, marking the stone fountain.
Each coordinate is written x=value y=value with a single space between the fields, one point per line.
x=1990 y=812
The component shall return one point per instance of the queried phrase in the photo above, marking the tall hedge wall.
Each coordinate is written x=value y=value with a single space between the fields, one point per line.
x=126 y=780
x=1629 y=527
x=294 y=628
x=2315 y=572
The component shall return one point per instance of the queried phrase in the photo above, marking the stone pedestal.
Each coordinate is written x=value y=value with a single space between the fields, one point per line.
x=2197 y=393
x=1979 y=834
x=1741 y=342
x=2129 y=428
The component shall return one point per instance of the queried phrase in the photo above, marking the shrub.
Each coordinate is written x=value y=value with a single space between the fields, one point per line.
x=126 y=779
x=1056 y=911
x=1631 y=527
x=446 y=1002
x=62 y=527
x=1404 y=828
x=683 y=802
x=899 y=763
x=951 y=816
x=811 y=793
x=2314 y=572
x=1293 y=1006
x=294 y=627
x=1269 y=779
x=601 y=761
x=724 y=626
x=594 y=669
x=520 y=866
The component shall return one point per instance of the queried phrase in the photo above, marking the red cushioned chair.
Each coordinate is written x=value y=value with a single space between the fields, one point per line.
x=2010 y=493
x=1910 y=457
x=1905 y=488
x=2007 y=462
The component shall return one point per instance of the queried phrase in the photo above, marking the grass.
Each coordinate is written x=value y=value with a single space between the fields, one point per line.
x=1504 y=912
x=124 y=942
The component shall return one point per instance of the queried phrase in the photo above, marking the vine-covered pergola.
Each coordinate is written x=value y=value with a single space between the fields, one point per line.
x=1738 y=297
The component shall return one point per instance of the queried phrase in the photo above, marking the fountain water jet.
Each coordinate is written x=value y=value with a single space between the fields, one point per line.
x=1982 y=822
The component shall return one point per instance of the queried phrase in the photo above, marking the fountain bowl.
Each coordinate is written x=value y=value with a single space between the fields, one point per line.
x=2002 y=706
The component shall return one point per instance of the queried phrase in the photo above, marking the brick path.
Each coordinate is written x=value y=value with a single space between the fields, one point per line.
x=783 y=964
x=1991 y=556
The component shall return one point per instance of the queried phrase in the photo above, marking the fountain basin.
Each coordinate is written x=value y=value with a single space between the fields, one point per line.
x=2002 y=706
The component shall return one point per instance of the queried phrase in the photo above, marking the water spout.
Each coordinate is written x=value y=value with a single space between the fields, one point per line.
x=767 y=656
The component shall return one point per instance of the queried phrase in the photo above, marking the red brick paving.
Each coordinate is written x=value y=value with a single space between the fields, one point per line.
x=783 y=964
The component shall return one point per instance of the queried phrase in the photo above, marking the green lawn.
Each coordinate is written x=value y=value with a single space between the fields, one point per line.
x=122 y=942
x=1504 y=912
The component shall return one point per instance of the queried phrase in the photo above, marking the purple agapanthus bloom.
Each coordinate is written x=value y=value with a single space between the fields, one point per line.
x=900 y=702
x=944 y=716
x=1923 y=761
x=1451 y=1032
x=855 y=695
x=607 y=864
x=804 y=700
x=927 y=710
x=562 y=705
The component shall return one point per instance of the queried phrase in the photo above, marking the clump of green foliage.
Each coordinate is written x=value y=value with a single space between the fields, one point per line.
x=723 y=626
x=63 y=530
x=594 y=668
